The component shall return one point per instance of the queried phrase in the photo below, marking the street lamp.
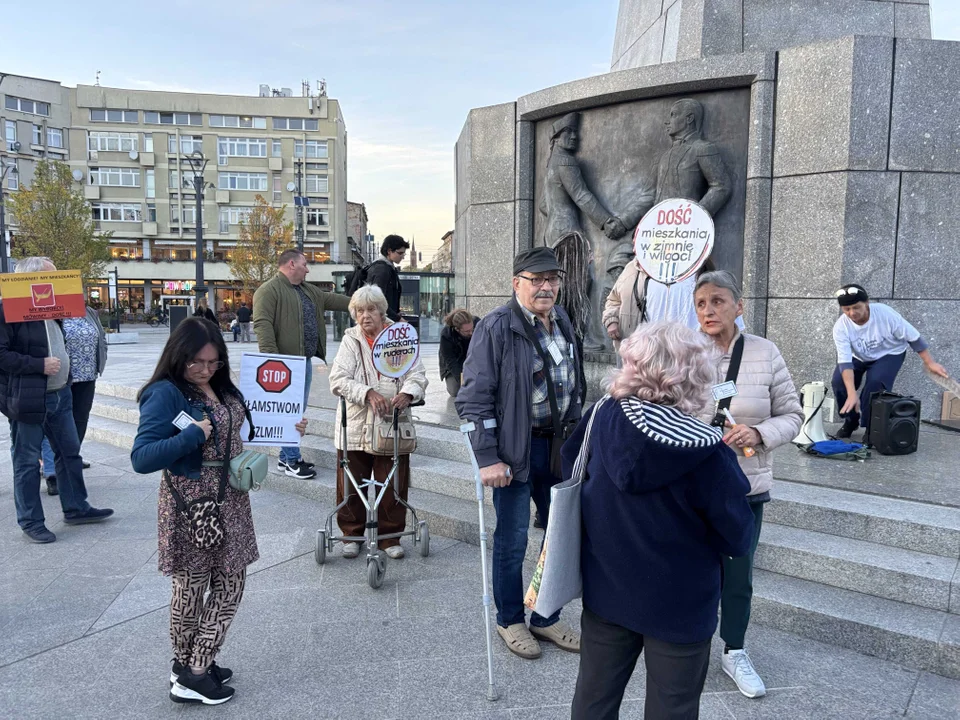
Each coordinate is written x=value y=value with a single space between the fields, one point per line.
x=298 y=202
x=198 y=164
x=4 y=169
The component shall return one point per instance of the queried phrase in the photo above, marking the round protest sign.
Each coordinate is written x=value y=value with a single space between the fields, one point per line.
x=673 y=240
x=396 y=349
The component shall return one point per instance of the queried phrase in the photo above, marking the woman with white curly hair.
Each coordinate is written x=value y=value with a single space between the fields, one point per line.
x=662 y=503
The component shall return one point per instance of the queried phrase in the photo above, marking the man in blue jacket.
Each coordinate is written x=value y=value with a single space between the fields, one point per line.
x=522 y=383
x=35 y=396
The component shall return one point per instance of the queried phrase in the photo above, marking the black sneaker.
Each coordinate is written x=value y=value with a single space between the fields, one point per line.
x=282 y=466
x=52 y=485
x=40 y=535
x=190 y=688
x=93 y=515
x=300 y=470
x=220 y=674
x=850 y=426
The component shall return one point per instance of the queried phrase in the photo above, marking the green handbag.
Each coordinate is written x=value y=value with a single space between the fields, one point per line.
x=246 y=471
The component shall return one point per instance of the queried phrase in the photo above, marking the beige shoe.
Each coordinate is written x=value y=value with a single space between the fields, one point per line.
x=394 y=551
x=560 y=635
x=519 y=641
x=351 y=550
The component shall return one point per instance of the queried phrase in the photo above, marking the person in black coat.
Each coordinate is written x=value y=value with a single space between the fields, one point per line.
x=454 y=343
x=664 y=502
x=384 y=274
x=203 y=311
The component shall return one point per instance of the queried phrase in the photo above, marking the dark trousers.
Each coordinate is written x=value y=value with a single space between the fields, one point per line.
x=737 y=592
x=453 y=385
x=83 y=393
x=512 y=504
x=608 y=656
x=25 y=440
x=880 y=375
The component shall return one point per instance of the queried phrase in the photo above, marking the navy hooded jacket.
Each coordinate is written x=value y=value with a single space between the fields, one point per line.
x=664 y=499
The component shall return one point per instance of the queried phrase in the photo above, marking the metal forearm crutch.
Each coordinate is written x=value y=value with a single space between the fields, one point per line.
x=466 y=429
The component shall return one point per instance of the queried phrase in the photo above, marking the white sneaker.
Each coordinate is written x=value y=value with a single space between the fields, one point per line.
x=394 y=551
x=351 y=549
x=736 y=664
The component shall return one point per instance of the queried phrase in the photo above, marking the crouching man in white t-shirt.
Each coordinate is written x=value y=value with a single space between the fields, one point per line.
x=871 y=340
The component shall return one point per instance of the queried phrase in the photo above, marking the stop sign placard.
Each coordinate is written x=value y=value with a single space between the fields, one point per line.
x=274 y=376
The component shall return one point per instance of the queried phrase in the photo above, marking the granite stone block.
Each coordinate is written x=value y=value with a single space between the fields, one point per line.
x=936 y=698
x=762 y=111
x=671 y=32
x=715 y=73
x=833 y=102
x=524 y=211
x=633 y=19
x=480 y=305
x=911 y=20
x=490 y=248
x=928 y=254
x=647 y=49
x=710 y=27
x=831 y=228
x=948 y=661
x=525 y=160
x=463 y=153
x=926 y=104
x=756 y=238
x=803 y=330
x=755 y=315
x=776 y=25
x=492 y=148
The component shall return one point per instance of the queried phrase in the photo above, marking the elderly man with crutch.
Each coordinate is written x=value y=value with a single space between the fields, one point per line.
x=522 y=396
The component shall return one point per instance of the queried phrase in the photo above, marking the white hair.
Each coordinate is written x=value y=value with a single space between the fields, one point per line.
x=33 y=264
x=368 y=296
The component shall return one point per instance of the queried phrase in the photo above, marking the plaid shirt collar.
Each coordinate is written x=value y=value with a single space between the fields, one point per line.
x=562 y=375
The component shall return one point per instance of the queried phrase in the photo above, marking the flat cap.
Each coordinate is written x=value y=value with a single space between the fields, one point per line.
x=535 y=260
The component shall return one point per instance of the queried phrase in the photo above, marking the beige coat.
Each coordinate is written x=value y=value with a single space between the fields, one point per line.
x=621 y=306
x=353 y=375
x=767 y=401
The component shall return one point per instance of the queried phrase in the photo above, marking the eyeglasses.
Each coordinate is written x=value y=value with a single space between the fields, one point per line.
x=539 y=281
x=212 y=365
x=852 y=290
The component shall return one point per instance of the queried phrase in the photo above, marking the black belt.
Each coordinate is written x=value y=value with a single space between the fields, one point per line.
x=543 y=432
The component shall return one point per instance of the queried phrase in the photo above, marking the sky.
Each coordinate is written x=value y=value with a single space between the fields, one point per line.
x=406 y=73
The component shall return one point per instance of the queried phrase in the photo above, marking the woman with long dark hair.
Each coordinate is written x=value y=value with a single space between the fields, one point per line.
x=190 y=419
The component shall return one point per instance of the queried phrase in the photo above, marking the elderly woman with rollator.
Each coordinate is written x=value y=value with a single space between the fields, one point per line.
x=663 y=503
x=370 y=396
x=764 y=413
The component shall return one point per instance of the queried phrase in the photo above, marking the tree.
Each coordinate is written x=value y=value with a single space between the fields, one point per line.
x=54 y=220
x=263 y=236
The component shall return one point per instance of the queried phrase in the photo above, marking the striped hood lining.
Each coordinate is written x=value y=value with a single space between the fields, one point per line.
x=669 y=426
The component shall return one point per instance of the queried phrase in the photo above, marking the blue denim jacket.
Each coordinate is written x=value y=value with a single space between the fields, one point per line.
x=159 y=443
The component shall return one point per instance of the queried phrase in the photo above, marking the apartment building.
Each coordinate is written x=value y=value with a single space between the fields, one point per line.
x=129 y=150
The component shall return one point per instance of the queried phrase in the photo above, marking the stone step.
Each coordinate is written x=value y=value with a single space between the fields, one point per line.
x=879 y=570
x=905 y=634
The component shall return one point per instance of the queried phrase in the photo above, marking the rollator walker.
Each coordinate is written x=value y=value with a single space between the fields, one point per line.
x=376 y=558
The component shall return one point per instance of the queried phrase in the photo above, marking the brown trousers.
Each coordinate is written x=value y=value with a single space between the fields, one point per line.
x=392 y=516
x=198 y=625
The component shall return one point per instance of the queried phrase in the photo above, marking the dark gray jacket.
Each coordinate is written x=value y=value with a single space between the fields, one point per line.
x=498 y=384
x=94 y=317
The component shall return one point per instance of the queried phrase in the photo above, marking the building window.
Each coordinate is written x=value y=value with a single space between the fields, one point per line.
x=151 y=183
x=317 y=216
x=151 y=212
x=116 y=212
x=55 y=137
x=315 y=148
x=116 y=177
x=34 y=107
x=242 y=181
x=10 y=133
x=233 y=216
x=188 y=211
x=188 y=178
x=112 y=141
x=148 y=142
x=37 y=135
x=277 y=189
x=238 y=121
x=277 y=148
x=189 y=144
x=317 y=183
x=296 y=124
x=169 y=118
x=117 y=116
x=13 y=175
x=242 y=147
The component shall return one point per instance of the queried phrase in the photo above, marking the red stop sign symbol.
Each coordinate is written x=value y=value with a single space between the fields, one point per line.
x=273 y=376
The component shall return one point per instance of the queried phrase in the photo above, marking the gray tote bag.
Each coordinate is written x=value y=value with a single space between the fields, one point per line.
x=557 y=579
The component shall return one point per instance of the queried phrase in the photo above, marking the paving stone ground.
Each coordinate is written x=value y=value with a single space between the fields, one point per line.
x=83 y=629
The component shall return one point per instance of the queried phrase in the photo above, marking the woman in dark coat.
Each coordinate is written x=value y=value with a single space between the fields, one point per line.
x=454 y=343
x=190 y=419
x=663 y=502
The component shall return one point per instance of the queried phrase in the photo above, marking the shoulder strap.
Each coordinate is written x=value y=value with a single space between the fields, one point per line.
x=583 y=457
x=225 y=471
x=733 y=371
x=177 y=500
x=362 y=366
x=551 y=392
x=641 y=301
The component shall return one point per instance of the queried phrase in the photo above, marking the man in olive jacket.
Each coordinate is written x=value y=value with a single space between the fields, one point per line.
x=288 y=319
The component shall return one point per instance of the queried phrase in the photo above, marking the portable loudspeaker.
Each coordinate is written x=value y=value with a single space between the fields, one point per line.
x=894 y=423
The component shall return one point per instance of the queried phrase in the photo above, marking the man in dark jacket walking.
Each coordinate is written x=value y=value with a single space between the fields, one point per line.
x=521 y=386
x=384 y=274
x=35 y=396
x=244 y=317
